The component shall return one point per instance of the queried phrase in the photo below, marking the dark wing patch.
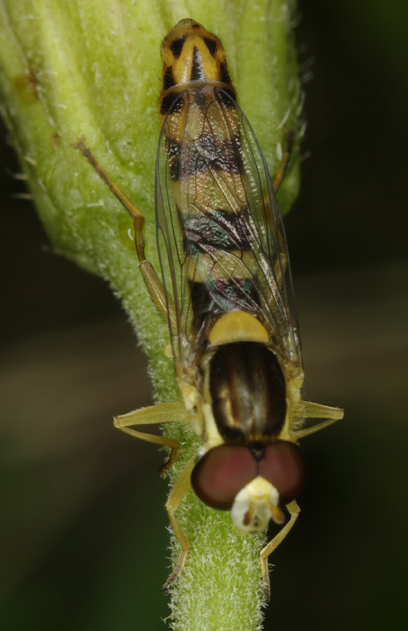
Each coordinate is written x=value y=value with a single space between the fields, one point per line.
x=171 y=102
x=227 y=98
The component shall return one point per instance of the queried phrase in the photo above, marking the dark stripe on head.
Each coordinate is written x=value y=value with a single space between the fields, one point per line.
x=224 y=74
x=196 y=25
x=197 y=73
x=170 y=103
x=211 y=45
x=168 y=78
x=177 y=46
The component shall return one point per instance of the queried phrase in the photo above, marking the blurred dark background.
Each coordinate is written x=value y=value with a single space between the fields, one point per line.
x=83 y=528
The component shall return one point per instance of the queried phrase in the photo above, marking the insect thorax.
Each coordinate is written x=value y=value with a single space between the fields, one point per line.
x=245 y=387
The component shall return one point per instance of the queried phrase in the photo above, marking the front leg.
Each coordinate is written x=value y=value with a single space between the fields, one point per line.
x=294 y=511
x=176 y=496
x=162 y=413
x=304 y=410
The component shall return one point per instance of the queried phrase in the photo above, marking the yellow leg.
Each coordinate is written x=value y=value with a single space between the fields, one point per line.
x=315 y=410
x=265 y=208
x=153 y=284
x=277 y=180
x=164 y=413
x=176 y=496
x=294 y=511
x=155 y=288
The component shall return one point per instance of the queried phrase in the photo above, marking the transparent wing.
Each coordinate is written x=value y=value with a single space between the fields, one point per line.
x=220 y=234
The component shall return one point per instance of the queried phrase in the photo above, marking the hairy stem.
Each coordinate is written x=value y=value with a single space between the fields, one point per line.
x=89 y=69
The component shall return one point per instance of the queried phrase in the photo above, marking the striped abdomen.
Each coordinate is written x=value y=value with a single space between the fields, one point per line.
x=208 y=173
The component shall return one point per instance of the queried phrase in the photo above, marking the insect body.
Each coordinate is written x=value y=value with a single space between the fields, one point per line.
x=227 y=296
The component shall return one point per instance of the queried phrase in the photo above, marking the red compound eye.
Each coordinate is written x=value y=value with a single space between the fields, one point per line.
x=283 y=465
x=222 y=473
x=225 y=470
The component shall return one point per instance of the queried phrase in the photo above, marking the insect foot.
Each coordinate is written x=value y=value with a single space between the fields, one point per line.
x=174 y=575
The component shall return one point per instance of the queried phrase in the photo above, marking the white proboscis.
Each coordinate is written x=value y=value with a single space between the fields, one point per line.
x=253 y=506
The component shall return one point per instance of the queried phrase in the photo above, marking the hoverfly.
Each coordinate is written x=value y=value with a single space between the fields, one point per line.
x=226 y=294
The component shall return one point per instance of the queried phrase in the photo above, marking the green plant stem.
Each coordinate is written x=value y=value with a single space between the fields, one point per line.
x=91 y=68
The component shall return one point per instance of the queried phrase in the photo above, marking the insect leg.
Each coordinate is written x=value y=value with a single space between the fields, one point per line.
x=277 y=180
x=134 y=212
x=164 y=304
x=176 y=496
x=294 y=511
x=164 y=413
x=315 y=410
